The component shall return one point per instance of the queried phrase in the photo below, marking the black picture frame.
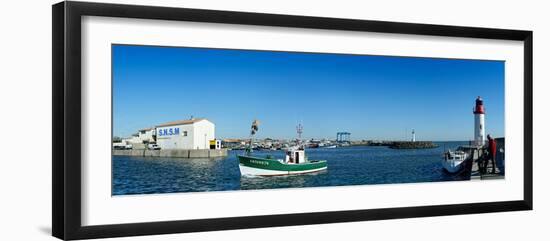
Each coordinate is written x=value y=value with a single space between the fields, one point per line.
x=66 y=127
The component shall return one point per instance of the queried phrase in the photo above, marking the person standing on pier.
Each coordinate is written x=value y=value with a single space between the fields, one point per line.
x=492 y=149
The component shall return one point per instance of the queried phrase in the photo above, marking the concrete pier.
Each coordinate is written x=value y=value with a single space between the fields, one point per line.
x=473 y=163
x=172 y=153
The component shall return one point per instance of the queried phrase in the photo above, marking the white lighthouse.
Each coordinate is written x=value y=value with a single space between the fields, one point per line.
x=413 y=136
x=479 y=123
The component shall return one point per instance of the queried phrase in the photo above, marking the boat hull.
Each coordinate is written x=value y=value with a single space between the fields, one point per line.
x=453 y=166
x=254 y=166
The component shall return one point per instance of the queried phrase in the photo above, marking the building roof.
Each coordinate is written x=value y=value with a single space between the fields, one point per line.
x=181 y=122
x=147 y=129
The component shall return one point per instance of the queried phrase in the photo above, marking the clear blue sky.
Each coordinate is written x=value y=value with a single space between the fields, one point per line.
x=373 y=97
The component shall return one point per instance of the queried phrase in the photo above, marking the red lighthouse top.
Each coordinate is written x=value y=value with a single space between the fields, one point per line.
x=479 y=106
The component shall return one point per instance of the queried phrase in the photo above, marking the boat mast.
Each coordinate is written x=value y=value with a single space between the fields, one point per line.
x=300 y=130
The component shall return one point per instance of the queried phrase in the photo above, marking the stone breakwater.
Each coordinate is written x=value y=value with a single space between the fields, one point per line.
x=397 y=144
x=412 y=145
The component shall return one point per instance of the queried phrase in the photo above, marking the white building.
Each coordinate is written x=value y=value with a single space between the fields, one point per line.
x=185 y=134
x=134 y=139
x=146 y=135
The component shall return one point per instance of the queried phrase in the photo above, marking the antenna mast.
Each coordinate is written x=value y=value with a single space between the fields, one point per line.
x=299 y=129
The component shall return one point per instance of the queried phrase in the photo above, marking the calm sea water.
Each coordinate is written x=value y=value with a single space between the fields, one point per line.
x=346 y=166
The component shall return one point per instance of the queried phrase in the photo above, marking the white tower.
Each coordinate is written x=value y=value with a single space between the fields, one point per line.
x=479 y=123
x=413 y=136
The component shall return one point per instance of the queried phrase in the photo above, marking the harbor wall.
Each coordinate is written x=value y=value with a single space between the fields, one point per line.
x=204 y=153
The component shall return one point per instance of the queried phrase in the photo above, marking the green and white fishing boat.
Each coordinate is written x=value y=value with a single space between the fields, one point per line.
x=295 y=162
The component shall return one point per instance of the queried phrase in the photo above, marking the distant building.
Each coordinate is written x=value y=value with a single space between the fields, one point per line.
x=185 y=134
x=233 y=143
x=143 y=136
x=147 y=135
x=134 y=139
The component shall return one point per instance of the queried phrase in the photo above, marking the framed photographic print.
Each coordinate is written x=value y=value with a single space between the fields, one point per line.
x=170 y=120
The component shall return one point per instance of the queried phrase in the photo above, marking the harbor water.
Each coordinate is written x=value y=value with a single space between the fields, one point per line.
x=356 y=165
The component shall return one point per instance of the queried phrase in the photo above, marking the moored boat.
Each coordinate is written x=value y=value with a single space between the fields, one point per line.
x=454 y=161
x=295 y=162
